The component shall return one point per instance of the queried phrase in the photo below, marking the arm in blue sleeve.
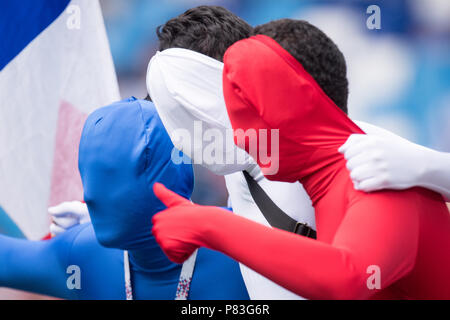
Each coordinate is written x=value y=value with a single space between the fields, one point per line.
x=37 y=266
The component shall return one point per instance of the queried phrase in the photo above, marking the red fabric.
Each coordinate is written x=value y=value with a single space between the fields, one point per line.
x=66 y=181
x=406 y=234
x=48 y=236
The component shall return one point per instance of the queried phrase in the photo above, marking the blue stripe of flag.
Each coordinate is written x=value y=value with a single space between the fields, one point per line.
x=8 y=227
x=23 y=20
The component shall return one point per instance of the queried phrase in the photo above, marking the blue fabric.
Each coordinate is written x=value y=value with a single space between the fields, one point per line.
x=41 y=267
x=124 y=150
x=22 y=21
x=8 y=227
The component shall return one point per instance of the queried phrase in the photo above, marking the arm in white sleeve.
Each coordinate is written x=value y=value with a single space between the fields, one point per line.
x=386 y=161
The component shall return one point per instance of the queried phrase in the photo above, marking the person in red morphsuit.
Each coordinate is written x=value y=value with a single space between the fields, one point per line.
x=381 y=245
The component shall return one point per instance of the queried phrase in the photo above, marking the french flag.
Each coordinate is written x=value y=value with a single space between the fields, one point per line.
x=55 y=68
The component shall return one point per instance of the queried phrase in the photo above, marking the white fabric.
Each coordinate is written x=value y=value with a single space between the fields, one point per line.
x=184 y=282
x=66 y=215
x=127 y=274
x=60 y=65
x=186 y=86
x=383 y=160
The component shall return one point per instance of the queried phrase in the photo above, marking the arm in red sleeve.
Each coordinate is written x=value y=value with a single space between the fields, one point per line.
x=373 y=233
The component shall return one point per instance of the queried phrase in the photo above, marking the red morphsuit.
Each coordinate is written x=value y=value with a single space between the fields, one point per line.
x=386 y=244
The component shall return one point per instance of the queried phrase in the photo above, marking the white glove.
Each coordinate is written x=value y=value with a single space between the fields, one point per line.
x=390 y=162
x=66 y=215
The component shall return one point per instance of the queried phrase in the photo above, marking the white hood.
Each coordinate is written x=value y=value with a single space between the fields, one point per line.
x=186 y=88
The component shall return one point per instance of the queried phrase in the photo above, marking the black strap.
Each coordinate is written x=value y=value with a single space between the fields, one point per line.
x=274 y=215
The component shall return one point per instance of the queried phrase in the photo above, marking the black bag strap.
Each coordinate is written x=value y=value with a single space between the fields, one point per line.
x=276 y=217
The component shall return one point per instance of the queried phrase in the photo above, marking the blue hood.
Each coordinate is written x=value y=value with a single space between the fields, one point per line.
x=124 y=150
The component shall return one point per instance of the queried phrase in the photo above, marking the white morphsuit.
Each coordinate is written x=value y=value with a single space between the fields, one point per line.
x=384 y=160
x=185 y=87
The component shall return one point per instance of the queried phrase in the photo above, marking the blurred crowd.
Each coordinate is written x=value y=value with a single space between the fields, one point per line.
x=399 y=75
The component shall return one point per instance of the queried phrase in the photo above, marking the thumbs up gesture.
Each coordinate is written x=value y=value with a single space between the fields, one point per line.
x=183 y=226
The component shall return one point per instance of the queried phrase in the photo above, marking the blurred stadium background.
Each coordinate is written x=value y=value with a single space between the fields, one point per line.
x=399 y=75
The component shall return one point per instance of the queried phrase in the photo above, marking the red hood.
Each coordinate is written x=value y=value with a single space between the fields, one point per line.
x=267 y=88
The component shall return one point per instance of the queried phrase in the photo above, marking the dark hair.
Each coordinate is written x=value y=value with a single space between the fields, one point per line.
x=209 y=30
x=317 y=53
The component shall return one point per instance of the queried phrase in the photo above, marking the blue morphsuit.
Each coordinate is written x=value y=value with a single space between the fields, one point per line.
x=124 y=149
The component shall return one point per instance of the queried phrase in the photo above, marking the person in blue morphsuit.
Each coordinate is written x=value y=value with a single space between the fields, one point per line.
x=124 y=149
